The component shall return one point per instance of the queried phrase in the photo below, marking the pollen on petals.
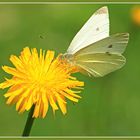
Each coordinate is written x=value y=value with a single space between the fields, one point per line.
x=41 y=80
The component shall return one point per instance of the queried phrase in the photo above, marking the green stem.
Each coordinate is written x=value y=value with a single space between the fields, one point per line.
x=29 y=123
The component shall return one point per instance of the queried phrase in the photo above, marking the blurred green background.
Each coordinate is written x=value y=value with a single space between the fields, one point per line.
x=110 y=106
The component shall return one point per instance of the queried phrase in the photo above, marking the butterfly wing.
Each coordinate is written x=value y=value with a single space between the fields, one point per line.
x=104 y=56
x=96 y=28
x=98 y=65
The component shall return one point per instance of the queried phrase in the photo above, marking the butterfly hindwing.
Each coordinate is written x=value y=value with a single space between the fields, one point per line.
x=104 y=56
x=100 y=64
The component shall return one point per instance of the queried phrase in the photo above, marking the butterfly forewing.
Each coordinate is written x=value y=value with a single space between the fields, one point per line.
x=115 y=44
x=96 y=28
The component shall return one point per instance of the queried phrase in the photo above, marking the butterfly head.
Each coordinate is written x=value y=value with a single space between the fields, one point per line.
x=68 y=58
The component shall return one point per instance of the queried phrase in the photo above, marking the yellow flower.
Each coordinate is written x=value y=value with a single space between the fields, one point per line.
x=40 y=80
x=136 y=15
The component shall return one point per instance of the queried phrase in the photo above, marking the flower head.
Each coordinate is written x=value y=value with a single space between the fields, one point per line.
x=136 y=15
x=40 y=80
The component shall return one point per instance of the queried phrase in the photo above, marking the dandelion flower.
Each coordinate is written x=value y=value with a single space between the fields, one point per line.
x=40 y=80
x=136 y=15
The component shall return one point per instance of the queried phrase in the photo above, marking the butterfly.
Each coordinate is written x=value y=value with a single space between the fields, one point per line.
x=93 y=51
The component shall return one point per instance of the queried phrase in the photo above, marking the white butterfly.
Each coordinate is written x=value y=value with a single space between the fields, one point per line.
x=93 y=51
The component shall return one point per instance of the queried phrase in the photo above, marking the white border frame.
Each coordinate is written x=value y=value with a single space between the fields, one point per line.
x=68 y=137
x=61 y=3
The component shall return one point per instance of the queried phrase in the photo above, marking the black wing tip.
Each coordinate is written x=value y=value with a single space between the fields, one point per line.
x=102 y=10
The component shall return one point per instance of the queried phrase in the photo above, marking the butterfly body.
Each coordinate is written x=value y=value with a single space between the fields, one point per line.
x=93 y=51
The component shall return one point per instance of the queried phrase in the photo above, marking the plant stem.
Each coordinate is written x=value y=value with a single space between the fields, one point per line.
x=29 y=122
